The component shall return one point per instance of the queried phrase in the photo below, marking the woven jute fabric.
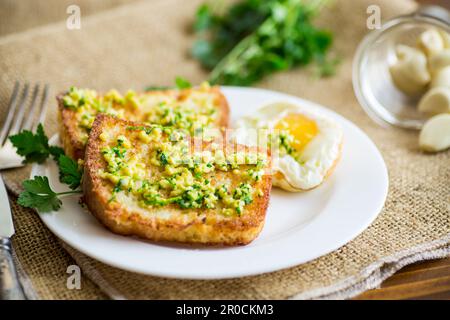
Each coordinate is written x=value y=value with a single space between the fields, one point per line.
x=147 y=43
x=17 y=16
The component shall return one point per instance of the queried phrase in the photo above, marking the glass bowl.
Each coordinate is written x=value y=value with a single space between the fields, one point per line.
x=372 y=81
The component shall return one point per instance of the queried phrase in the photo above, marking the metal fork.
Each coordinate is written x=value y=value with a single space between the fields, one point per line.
x=21 y=115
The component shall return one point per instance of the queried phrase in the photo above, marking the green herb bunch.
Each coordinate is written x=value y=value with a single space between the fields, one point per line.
x=255 y=38
x=38 y=194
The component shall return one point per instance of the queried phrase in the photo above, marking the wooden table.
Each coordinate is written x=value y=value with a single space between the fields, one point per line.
x=424 y=280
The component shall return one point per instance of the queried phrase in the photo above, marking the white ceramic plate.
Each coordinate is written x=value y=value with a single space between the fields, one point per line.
x=299 y=227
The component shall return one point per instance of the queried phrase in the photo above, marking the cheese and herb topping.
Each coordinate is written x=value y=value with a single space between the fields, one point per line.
x=192 y=111
x=165 y=168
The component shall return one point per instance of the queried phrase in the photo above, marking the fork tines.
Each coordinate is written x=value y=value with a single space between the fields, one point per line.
x=24 y=112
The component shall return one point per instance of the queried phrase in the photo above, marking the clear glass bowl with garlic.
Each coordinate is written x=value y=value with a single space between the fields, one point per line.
x=401 y=72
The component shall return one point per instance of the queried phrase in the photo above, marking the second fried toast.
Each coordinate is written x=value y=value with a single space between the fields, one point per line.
x=189 y=109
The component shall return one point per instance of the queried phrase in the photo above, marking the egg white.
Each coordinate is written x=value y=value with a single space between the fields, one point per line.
x=317 y=159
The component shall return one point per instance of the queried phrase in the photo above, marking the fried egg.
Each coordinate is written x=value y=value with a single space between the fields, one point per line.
x=305 y=144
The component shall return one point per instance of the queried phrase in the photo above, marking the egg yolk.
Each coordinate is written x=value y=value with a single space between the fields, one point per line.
x=300 y=127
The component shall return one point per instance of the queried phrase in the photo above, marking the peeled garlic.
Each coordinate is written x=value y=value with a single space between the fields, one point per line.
x=441 y=78
x=410 y=73
x=435 y=101
x=439 y=60
x=431 y=42
x=435 y=134
x=445 y=38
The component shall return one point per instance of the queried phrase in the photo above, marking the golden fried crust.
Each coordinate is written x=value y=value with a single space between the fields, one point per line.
x=70 y=132
x=208 y=227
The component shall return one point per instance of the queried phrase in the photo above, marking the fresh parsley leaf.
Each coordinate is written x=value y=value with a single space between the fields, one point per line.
x=219 y=34
x=202 y=50
x=34 y=147
x=39 y=185
x=182 y=83
x=69 y=173
x=39 y=195
x=56 y=152
x=204 y=19
x=42 y=203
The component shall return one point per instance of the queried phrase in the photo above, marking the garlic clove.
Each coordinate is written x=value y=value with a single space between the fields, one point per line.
x=431 y=42
x=435 y=134
x=410 y=73
x=445 y=38
x=441 y=78
x=439 y=60
x=435 y=101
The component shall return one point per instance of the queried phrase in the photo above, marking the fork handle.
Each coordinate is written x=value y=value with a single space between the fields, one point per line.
x=10 y=288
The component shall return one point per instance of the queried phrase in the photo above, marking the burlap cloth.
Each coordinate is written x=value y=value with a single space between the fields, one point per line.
x=146 y=43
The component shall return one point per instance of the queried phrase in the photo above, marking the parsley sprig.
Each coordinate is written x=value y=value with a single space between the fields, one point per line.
x=38 y=194
x=182 y=83
x=34 y=147
x=254 y=38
